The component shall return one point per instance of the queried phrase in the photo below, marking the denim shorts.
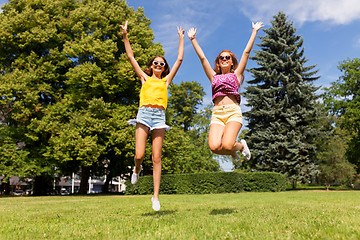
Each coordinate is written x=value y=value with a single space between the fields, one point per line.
x=226 y=113
x=153 y=118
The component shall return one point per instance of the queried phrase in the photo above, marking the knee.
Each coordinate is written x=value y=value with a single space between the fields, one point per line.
x=214 y=147
x=228 y=146
x=156 y=159
x=139 y=156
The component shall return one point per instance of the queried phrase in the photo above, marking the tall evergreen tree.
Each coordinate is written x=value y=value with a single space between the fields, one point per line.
x=283 y=105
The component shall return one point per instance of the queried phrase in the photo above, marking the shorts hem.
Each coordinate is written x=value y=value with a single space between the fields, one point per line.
x=135 y=121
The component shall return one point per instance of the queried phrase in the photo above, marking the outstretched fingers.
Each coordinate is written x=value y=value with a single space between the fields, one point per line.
x=257 y=25
x=191 y=33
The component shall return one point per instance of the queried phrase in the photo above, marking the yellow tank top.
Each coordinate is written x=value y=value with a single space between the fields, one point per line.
x=154 y=92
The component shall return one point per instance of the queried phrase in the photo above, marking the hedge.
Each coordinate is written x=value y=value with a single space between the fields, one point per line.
x=215 y=182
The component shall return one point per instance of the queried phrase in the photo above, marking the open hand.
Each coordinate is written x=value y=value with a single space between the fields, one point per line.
x=191 y=33
x=257 y=25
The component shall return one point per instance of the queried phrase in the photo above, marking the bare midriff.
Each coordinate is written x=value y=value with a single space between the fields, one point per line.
x=225 y=100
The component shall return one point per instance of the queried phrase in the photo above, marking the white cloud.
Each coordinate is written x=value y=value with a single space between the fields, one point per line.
x=190 y=13
x=186 y=13
x=333 y=11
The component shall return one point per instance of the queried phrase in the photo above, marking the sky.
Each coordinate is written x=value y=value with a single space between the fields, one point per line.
x=330 y=29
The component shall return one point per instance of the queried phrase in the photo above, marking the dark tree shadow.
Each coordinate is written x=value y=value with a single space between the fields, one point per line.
x=223 y=211
x=159 y=213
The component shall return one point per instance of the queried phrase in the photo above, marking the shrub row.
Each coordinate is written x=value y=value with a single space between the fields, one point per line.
x=215 y=182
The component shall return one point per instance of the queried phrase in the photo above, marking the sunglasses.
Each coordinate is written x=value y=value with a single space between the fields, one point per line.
x=162 y=64
x=224 y=57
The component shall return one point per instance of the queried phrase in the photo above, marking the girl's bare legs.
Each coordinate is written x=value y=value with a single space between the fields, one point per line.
x=157 y=142
x=222 y=140
x=141 y=134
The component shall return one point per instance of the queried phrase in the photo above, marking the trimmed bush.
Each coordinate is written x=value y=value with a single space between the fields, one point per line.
x=215 y=182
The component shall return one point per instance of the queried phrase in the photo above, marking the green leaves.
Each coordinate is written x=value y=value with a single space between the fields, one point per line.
x=343 y=99
x=64 y=80
x=184 y=102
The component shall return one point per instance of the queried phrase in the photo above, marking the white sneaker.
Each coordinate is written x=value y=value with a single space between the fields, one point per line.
x=135 y=176
x=155 y=204
x=246 y=150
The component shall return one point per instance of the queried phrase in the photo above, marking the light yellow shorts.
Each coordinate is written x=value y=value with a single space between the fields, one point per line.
x=226 y=113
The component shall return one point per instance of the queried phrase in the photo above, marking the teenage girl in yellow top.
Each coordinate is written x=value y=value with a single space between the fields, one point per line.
x=151 y=115
x=226 y=79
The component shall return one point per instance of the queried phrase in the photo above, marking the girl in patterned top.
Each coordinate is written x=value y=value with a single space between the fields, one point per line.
x=151 y=115
x=226 y=79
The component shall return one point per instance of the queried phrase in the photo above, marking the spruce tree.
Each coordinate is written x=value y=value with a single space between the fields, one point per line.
x=283 y=104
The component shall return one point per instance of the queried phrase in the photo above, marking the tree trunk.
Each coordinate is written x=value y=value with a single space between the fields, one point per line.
x=7 y=188
x=327 y=186
x=41 y=186
x=105 y=188
x=85 y=174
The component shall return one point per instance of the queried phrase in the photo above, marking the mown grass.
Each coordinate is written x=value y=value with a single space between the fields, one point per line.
x=281 y=215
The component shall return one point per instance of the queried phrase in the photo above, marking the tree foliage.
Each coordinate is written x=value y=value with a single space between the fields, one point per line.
x=185 y=146
x=343 y=99
x=283 y=105
x=334 y=167
x=64 y=78
x=183 y=103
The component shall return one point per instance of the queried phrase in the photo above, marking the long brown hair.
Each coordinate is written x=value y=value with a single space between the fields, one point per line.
x=217 y=68
x=148 y=69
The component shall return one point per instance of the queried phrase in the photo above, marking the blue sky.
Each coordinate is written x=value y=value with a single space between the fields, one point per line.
x=330 y=28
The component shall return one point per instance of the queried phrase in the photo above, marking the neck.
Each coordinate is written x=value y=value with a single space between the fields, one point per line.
x=156 y=75
x=225 y=70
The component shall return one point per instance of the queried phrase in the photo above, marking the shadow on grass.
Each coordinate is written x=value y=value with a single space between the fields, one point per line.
x=159 y=213
x=223 y=211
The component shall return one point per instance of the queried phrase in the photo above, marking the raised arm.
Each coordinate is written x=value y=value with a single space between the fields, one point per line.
x=130 y=54
x=179 y=59
x=205 y=63
x=239 y=71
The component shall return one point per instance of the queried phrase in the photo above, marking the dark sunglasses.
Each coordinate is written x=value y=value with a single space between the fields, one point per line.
x=162 y=64
x=224 y=57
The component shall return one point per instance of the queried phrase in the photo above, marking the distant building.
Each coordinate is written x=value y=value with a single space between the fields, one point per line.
x=65 y=186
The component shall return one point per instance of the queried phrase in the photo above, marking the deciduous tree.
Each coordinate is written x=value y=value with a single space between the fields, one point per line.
x=64 y=77
x=343 y=99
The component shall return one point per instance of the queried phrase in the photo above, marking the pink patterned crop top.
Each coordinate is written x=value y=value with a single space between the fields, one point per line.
x=225 y=84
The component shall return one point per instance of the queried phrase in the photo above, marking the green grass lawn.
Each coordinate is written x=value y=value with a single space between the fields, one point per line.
x=281 y=215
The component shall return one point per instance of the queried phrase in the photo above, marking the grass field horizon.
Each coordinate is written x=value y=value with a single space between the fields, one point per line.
x=267 y=215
